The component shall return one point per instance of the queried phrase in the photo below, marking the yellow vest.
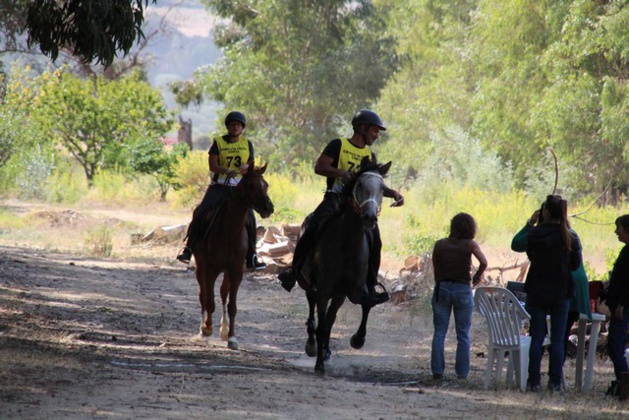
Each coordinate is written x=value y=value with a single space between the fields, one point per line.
x=350 y=158
x=232 y=156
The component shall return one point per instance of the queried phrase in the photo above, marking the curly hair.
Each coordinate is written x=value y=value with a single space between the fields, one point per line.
x=462 y=226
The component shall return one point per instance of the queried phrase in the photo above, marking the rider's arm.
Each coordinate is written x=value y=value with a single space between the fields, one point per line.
x=482 y=261
x=216 y=167
x=391 y=193
x=324 y=167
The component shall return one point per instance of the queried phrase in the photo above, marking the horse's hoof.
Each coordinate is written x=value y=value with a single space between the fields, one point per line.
x=232 y=343
x=311 y=349
x=319 y=369
x=206 y=332
x=357 y=342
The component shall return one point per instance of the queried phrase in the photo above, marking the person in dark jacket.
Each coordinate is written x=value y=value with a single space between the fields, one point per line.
x=618 y=302
x=554 y=253
x=580 y=302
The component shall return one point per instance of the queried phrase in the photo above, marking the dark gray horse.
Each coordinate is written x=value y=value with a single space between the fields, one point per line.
x=337 y=266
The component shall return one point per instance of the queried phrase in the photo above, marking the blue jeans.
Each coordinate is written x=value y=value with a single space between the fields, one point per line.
x=457 y=298
x=558 y=319
x=616 y=338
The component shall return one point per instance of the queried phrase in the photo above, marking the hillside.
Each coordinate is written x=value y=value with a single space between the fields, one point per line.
x=184 y=47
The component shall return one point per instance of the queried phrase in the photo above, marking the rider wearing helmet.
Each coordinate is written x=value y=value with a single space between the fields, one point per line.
x=339 y=159
x=229 y=157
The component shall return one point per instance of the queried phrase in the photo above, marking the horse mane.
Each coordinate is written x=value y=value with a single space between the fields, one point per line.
x=348 y=187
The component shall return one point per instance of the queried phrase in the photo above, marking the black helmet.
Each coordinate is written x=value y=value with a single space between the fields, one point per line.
x=365 y=116
x=236 y=116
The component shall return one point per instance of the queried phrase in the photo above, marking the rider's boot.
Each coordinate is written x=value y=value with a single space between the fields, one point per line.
x=373 y=299
x=379 y=297
x=287 y=278
x=185 y=255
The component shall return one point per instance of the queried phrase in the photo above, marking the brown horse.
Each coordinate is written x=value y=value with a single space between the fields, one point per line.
x=223 y=250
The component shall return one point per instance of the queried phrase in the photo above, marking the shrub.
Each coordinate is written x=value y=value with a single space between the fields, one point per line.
x=191 y=178
x=66 y=184
x=419 y=237
x=99 y=242
x=36 y=167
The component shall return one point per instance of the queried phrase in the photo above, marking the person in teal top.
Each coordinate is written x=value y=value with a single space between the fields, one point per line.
x=580 y=302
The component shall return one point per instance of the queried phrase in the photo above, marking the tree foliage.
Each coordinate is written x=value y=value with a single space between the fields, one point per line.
x=299 y=69
x=149 y=157
x=12 y=25
x=187 y=92
x=95 y=30
x=523 y=77
x=19 y=91
x=584 y=111
x=99 y=122
x=433 y=89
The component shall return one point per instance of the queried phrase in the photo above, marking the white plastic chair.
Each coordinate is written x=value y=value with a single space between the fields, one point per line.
x=504 y=315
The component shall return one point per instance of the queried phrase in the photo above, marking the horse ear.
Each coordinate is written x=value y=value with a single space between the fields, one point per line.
x=365 y=161
x=262 y=169
x=385 y=168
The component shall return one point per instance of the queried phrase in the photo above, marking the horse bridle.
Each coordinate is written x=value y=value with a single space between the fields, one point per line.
x=358 y=205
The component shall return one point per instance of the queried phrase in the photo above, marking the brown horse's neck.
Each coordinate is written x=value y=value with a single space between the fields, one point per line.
x=236 y=208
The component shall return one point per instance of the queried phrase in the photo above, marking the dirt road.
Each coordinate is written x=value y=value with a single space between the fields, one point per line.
x=101 y=339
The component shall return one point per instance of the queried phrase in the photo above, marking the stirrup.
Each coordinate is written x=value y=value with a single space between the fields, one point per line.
x=255 y=264
x=380 y=297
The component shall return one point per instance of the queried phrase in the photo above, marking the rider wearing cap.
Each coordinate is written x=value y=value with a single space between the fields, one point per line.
x=229 y=157
x=339 y=159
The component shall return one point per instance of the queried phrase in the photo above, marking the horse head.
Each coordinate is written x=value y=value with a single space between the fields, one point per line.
x=367 y=191
x=254 y=190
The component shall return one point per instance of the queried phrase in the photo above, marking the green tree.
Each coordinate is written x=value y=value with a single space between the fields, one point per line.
x=98 y=121
x=19 y=92
x=583 y=112
x=187 y=92
x=299 y=69
x=508 y=41
x=433 y=89
x=150 y=157
x=93 y=30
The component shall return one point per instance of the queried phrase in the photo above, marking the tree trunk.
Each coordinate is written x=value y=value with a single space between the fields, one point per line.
x=184 y=134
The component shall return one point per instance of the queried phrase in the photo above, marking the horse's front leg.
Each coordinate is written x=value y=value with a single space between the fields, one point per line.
x=206 y=279
x=224 y=296
x=229 y=297
x=358 y=340
x=311 y=343
x=335 y=304
x=322 y=306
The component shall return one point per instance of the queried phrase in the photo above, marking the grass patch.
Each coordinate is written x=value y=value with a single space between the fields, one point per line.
x=9 y=220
